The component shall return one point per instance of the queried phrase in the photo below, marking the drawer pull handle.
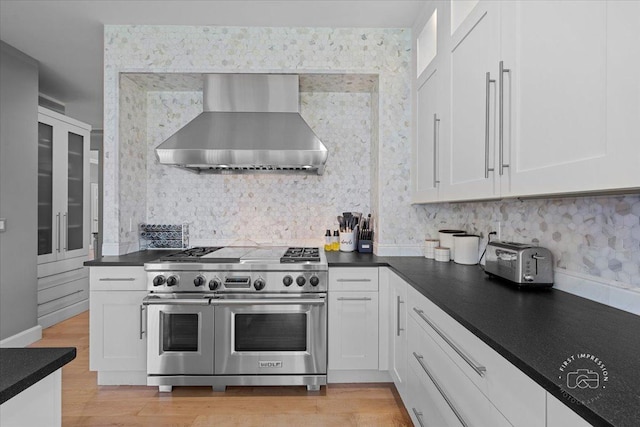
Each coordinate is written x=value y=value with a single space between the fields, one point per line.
x=354 y=299
x=117 y=279
x=398 y=328
x=418 y=416
x=480 y=370
x=352 y=280
x=440 y=390
x=142 y=331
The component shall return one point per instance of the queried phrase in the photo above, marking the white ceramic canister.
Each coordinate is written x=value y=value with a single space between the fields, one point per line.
x=466 y=249
x=429 y=247
x=442 y=254
x=446 y=239
x=348 y=241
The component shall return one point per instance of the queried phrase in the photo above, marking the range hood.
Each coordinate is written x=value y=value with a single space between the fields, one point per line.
x=250 y=124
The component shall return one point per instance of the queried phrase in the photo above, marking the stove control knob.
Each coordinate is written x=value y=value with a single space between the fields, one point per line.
x=300 y=280
x=199 y=281
x=259 y=284
x=314 y=281
x=215 y=284
x=159 y=280
x=287 y=280
x=172 y=280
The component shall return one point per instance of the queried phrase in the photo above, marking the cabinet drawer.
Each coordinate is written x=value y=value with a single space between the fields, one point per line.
x=460 y=401
x=61 y=296
x=515 y=395
x=118 y=279
x=353 y=279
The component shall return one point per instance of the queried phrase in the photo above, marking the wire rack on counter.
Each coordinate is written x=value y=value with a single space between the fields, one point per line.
x=164 y=236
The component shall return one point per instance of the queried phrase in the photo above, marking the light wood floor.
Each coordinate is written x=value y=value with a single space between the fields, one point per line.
x=86 y=404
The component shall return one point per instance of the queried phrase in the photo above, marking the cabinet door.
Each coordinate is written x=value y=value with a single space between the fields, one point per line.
x=353 y=330
x=559 y=415
x=398 y=331
x=49 y=244
x=556 y=98
x=475 y=51
x=76 y=213
x=118 y=340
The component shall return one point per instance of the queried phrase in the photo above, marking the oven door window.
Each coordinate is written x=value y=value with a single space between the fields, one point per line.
x=180 y=332
x=270 y=332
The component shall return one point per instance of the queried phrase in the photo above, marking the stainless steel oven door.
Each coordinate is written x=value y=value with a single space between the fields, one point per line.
x=274 y=334
x=180 y=335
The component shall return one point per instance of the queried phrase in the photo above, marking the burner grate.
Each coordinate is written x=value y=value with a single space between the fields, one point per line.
x=301 y=255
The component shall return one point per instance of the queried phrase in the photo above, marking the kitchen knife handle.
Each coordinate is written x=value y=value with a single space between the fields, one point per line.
x=398 y=328
x=436 y=140
x=480 y=370
x=418 y=416
x=501 y=72
x=487 y=117
x=58 y=231
x=440 y=389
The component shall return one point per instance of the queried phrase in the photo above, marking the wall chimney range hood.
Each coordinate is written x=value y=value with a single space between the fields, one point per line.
x=250 y=124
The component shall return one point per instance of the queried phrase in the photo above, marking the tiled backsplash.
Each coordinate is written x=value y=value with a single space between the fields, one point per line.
x=596 y=236
x=275 y=209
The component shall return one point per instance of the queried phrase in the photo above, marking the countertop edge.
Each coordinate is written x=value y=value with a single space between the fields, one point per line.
x=44 y=371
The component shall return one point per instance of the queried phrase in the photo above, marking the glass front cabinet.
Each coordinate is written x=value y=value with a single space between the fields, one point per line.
x=63 y=187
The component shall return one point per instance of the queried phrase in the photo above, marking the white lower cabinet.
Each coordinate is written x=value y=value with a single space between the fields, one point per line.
x=471 y=373
x=118 y=342
x=398 y=332
x=559 y=415
x=353 y=319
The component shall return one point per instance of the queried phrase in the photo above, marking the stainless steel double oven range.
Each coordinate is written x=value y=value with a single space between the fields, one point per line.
x=237 y=316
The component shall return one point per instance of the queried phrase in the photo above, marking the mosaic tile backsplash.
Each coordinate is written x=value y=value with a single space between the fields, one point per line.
x=275 y=209
x=597 y=236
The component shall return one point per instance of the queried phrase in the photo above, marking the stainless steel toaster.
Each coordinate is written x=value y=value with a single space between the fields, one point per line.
x=523 y=264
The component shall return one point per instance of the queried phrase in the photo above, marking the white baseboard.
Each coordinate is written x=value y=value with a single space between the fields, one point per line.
x=608 y=292
x=63 y=314
x=348 y=376
x=23 y=338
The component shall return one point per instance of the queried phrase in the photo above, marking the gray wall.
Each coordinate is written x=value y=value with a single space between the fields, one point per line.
x=18 y=191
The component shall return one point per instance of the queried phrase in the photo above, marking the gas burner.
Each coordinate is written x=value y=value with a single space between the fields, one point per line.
x=190 y=254
x=301 y=255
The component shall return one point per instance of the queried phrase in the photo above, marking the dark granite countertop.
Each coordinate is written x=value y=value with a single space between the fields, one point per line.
x=20 y=368
x=535 y=330
x=134 y=259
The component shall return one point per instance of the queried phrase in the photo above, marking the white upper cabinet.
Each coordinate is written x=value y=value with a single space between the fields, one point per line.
x=431 y=101
x=475 y=53
x=572 y=81
x=543 y=98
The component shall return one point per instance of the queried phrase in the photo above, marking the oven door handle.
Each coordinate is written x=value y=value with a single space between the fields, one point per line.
x=167 y=301
x=268 y=301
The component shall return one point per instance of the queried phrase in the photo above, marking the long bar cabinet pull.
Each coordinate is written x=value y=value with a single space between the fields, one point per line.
x=58 y=230
x=436 y=141
x=66 y=232
x=398 y=312
x=117 y=279
x=487 y=118
x=418 y=416
x=352 y=280
x=501 y=72
x=440 y=389
x=142 y=331
x=480 y=370
x=354 y=299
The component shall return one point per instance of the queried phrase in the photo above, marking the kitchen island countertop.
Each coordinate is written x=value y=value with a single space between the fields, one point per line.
x=23 y=367
x=534 y=330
